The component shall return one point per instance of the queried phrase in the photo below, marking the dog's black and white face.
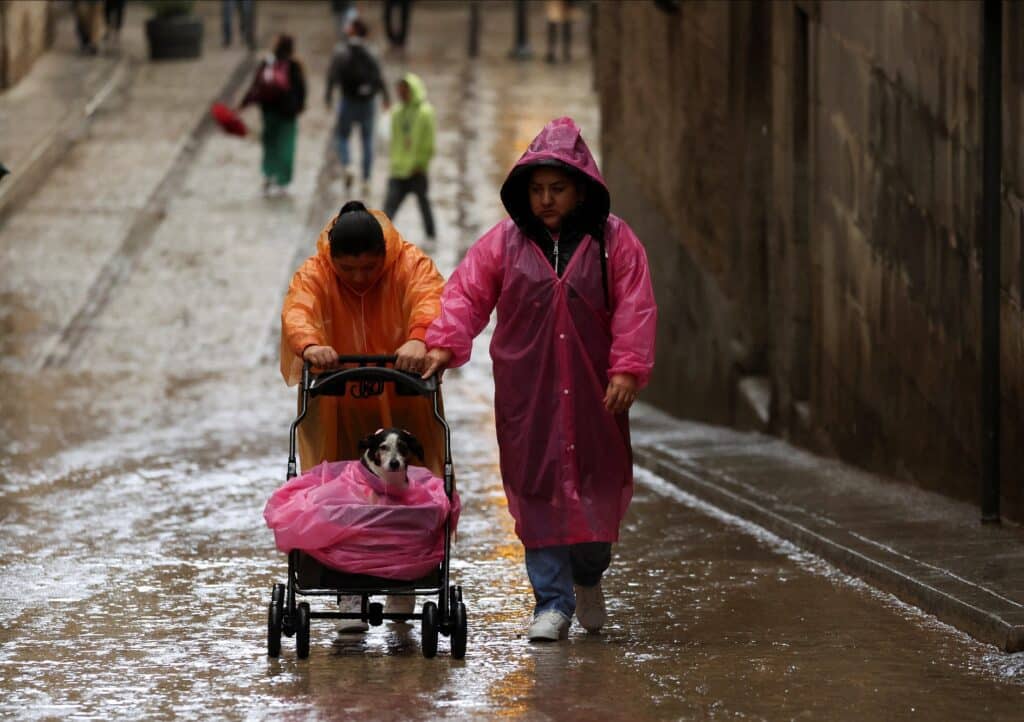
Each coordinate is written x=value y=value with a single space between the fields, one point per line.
x=387 y=453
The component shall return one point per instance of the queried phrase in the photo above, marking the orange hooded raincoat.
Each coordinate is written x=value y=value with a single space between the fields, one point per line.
x=321 y=309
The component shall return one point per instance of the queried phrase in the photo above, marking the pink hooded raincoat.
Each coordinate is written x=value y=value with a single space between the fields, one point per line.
x=566 y=461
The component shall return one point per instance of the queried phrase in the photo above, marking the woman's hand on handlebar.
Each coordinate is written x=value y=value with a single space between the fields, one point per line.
x=411 y=356
x=321 y=357
x=436 y=362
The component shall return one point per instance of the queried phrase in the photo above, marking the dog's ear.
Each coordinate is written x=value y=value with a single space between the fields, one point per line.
x=366 y=442
x=413 y=443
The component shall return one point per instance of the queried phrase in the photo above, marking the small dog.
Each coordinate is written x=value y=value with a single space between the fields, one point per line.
x=386 y=453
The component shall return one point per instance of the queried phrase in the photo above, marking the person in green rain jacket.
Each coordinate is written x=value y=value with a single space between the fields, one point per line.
x=412 y=147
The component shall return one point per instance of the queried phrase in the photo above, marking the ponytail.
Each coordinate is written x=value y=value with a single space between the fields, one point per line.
x=356 y=232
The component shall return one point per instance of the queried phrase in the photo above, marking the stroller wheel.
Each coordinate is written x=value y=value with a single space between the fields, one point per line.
x=302 y=631
x=429 y=629
x=455 y=596
x=275 y=616
x=459 y=631
x=277 y=594
x=375 y=614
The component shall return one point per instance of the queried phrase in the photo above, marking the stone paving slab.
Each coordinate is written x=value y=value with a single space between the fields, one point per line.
x=928 y=550
x=98 y=137
x=43 y=113
x=214 y=264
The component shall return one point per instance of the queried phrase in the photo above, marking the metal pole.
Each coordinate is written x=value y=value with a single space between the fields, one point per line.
x=991 y=191
x=522 y=50
x=474 y=28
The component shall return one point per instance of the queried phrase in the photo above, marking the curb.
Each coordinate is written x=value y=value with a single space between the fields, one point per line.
x=54 y=147
x=980 y=612
x=63 y=345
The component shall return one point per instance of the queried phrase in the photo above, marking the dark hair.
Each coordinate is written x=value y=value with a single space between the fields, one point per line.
x=284 y=46
x=356 y=232
x=359 y=28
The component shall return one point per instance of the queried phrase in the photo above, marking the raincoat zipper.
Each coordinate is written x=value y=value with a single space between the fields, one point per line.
x=362 y=320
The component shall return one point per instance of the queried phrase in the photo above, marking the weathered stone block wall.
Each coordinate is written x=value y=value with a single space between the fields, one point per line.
x=673 y=104
x=897 y=173
x=25 y=33
x=807 y=179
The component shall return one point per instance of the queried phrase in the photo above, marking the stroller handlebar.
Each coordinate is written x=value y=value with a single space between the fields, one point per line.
x=367 y=369
x=370 y=374
x=365 y=360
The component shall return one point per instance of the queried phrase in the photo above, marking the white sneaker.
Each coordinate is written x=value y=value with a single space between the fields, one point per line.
x=400 y=604
x=549 y=626
x=590 y=609
x=364 y=191
x=351 y=605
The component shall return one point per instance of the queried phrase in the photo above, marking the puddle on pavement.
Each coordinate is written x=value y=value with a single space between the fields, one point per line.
x=137 y=568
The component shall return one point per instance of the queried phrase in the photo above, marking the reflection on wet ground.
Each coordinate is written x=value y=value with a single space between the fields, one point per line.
x=137 y=568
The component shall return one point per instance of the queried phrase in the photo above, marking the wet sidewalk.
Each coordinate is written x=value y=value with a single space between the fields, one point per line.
x=48 y=111
x=928 y=550
x=116 y=193
x=94 y=144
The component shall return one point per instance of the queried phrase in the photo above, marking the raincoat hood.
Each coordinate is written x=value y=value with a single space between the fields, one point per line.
x=413 y=131
x=417 y=90
x=560 y=144
x=392 y=246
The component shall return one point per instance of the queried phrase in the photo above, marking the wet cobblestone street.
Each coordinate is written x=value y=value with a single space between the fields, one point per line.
x=143 y=431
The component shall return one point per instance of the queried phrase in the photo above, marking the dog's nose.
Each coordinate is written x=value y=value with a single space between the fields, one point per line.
x=394 y=465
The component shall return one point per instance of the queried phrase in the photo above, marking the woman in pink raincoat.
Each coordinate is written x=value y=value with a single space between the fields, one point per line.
x=574 y=343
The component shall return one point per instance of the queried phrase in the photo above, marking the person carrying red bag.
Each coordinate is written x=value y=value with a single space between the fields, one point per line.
x=279 y=88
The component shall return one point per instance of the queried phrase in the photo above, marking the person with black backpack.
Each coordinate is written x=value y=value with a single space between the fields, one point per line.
x=357 y=73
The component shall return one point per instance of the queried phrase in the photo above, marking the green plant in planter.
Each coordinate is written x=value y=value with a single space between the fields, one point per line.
x=174 y=31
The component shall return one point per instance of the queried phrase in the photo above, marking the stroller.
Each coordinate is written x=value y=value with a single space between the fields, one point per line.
x=366 y=376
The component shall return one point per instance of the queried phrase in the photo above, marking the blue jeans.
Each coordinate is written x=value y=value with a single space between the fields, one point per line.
x=245 y=18
x=553 y=571
x=355 y=111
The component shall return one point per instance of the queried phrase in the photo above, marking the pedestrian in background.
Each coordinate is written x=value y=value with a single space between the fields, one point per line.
x=573 y=345
x=87 y=24
x=343 y=12
x=560 y=16
x=113 y=14
x=246 y=25
x=356 y=72
x=279 y=88
x=396 y=21
x=412 y=147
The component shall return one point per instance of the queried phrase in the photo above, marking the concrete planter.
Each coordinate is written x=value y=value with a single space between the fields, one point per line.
x=175 y=36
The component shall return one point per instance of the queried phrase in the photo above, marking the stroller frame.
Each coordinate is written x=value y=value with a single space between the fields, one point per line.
x=366 y=376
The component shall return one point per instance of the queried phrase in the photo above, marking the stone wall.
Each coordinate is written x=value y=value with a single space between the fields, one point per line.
x=807 y=178
x=26 y=32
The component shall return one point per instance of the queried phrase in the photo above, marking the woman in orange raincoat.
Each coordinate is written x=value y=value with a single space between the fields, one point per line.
x=367 y=291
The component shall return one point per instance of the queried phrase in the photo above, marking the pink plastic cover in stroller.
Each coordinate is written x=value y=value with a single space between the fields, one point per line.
x=341 y=514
